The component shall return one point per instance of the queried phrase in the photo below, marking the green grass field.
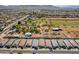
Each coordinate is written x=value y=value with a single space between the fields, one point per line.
x=65 y=23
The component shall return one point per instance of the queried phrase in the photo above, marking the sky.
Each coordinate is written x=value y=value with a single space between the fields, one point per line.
x=39 y=2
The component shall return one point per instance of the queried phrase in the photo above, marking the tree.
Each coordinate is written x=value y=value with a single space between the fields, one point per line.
x=19 y=22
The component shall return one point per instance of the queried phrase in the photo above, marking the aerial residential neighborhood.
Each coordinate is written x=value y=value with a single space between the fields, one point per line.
x=39 y=29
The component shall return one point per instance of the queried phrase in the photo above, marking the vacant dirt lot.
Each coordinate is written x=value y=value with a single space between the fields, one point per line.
x=71 y=29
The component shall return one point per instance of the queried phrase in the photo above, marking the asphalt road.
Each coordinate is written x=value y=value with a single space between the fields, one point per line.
x=39 y=51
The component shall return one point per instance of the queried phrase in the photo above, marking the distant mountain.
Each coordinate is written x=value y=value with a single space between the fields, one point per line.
x=48 y=7
x=68 y=6
x=29 y=7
